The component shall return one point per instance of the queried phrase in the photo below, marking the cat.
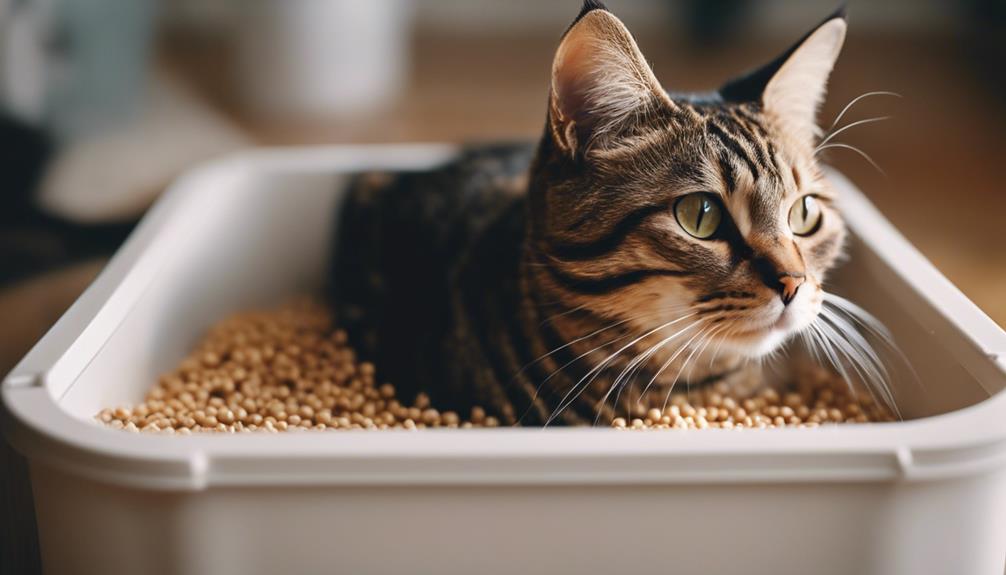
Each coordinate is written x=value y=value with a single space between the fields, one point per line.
x=648 y=240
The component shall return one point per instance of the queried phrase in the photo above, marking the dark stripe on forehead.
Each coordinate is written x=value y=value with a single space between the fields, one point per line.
x=749 y=119
x=775 y=158
x=734 y=146
x=607 y=284
x=727 y=171
x=755 y=142
x=610 y=240
x=735 y=128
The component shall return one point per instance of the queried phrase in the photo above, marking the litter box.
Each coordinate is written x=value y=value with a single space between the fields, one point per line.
x=924 y=495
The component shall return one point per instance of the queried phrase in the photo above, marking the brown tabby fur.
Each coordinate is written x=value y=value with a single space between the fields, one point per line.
x=507 y=277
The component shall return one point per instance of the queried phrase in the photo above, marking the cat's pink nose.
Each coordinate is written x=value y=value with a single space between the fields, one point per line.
x=789 y=283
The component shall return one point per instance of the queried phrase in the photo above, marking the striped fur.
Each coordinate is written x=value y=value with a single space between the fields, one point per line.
x=553 y=283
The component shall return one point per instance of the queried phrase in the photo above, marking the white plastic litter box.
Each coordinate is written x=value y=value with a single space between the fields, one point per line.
x=922 y=496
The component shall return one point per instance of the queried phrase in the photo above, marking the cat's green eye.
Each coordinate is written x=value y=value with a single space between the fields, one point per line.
x=805 y=216
x=699 y=214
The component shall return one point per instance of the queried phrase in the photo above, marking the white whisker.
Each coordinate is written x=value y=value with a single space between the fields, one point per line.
x=567 y=400
x=673 y=356
x=848 y=342
x=873 y=326
x=854 y=149
x=853 y=103
x=638 y=362
x=670 y=388
x=829 y=137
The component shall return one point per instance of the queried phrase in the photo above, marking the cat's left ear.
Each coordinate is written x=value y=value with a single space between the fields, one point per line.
x=791 y=88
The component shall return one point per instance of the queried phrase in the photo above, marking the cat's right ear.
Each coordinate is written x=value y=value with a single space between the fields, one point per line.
x=599 y=79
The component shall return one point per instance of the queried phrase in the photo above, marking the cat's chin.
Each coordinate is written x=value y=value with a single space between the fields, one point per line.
x=762 y=341
x=757 y=343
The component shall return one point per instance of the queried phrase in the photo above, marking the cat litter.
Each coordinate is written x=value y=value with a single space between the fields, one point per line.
x=279 y=370
x=818 y=397
x=287 y=369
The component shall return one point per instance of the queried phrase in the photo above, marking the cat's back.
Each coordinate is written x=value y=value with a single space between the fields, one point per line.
x=402 y=239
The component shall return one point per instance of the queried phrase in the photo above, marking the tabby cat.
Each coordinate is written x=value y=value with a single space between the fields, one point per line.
x=649 y=240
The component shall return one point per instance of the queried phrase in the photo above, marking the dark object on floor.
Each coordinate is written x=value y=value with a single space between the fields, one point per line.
x=32 y=241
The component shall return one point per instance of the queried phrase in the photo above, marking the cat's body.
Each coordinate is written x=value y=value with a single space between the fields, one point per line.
x=427 y=276
x=646 y=242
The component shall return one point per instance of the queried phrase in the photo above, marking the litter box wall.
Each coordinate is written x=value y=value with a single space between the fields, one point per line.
x=793 y=528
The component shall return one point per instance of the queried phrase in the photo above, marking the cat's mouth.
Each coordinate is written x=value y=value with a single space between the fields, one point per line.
x=757 y=339
x=787 y=320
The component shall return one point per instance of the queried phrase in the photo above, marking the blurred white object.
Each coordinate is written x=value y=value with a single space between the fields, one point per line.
x=321 y=58
x=115 y=175
x=22 y=59
x=74 y=67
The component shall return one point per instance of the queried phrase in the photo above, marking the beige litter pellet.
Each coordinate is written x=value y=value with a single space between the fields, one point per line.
x=817 y=397
x=278 y=370
x=287 y=369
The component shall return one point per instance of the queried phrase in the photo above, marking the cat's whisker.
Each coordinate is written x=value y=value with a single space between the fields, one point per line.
x=843 y=349
x=824 y=345
x=630 y=370
x=659 y=346
x=709 y=340
x=861 y=353
x=663 y=367
x=566 y=400
x=853 y=336
x=830 y=136
x=865 y=319
x=855 y=101
x=538 y=388
x=554 y=317
x=873 y=326
x=727 y=333
x=593 y=334
x=574 y=342
x=854 y=149
x=698 y=350
x=847 y=342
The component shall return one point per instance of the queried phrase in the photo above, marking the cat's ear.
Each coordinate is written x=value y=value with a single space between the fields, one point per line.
x=791 y=88
x=599 y=79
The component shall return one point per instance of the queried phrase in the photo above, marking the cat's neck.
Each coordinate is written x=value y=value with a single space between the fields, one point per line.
x=593 y=368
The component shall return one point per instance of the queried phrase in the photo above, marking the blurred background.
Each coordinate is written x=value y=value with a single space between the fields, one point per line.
x=103 y=103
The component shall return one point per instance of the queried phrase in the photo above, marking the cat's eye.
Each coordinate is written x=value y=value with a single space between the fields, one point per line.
x=805 y=216
x=699 y=214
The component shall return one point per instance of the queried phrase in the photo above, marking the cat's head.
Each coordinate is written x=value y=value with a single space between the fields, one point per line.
x=648 y=207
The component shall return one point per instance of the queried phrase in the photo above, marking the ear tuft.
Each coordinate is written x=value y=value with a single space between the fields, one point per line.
x=599 y=79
